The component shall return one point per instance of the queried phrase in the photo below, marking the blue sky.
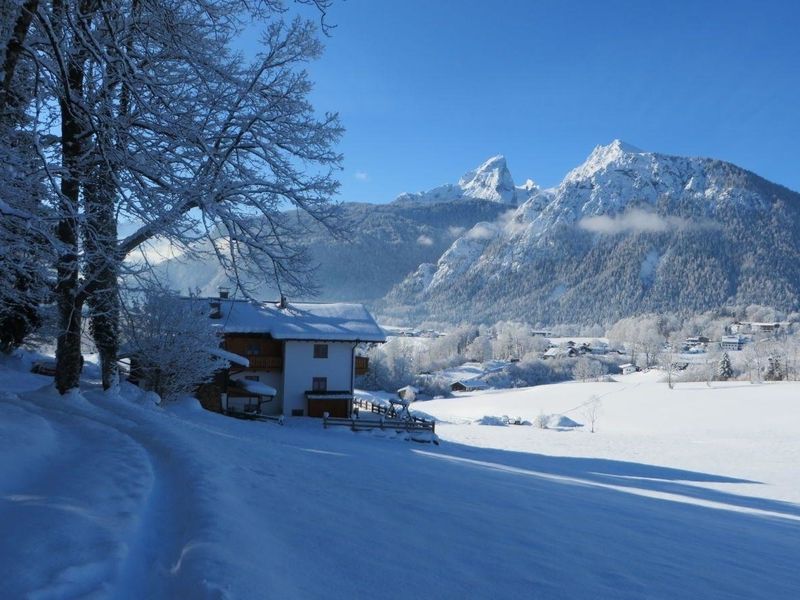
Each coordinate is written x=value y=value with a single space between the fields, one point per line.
x=428 y=89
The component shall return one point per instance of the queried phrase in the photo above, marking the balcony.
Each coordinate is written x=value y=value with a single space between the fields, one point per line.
x=362 y=365
x=266 y=363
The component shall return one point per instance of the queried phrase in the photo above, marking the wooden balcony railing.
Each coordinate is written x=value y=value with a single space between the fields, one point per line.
x=362 y=365
x=266 y=363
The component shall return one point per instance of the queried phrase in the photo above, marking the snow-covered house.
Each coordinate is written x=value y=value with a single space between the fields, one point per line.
x=628 y=368
x=298 y=359
x=560 y=352
x=469 y=385
x=697 y=340
x=732 y=342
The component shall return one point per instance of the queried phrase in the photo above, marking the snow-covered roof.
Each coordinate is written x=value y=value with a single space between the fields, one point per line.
x=230 y=356
x=256 y=387
x=342 y=322
x=558 y=351
x=732 y=338
x=626 y=366
x=476 y=384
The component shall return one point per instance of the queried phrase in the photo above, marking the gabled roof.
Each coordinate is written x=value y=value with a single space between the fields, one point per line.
x=340 y=322
x=477 y=384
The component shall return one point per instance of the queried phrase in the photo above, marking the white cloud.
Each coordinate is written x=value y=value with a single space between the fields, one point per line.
x=424 y=240
x=455 y=231
x=512 y=222
x=636 y=219
x=482 y=231
x=361 y=175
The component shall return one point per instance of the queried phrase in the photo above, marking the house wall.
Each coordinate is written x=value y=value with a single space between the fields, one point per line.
x=300 y=368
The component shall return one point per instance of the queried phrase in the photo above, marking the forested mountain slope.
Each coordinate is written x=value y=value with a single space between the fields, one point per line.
x=626 y=232
x=382 y=243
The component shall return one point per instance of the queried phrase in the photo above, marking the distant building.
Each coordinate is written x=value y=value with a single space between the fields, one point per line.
x=732 y=342
x=560 y=352
x=628 y=368
x=598 y=348
x=468 y=385
x=740 y=327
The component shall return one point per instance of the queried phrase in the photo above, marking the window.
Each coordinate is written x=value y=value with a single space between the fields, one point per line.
x=253 y=349
x=320 y=350
x=297 y=412
x=319 y=384
x=251 y=377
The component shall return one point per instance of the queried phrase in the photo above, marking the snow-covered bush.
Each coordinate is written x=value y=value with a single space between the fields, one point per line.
x=170 y=342
x=432 y=386
x=541 y=421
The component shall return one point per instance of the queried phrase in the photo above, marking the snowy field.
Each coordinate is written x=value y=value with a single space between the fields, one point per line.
x=690 y=493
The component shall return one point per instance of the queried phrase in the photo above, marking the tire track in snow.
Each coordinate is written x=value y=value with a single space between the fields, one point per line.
x=82 y=492
x=168 y=552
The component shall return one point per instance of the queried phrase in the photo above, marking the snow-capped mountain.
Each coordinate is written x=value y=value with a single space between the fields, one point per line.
x=491 y=181
x=627 y=231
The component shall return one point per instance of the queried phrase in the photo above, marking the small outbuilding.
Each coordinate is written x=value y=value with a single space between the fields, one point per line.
x=628 y=368
x=469 y=385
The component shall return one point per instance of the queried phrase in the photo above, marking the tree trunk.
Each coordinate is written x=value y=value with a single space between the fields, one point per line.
x=13 y=50
x=100 y=243
x=68 y=347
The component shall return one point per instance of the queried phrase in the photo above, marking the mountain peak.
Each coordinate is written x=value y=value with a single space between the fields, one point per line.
x=602 y=156
x=624 y=147
x=490 y=181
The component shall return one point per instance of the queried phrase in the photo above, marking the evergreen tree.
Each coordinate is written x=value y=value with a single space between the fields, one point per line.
x=774 y=369
x=724 y=370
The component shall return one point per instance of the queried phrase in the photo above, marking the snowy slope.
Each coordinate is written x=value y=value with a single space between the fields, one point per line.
x=109 y=497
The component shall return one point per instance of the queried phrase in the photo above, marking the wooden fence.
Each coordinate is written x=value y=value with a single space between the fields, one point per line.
x=410 y=426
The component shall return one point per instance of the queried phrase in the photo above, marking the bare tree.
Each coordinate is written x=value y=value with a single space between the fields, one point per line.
x=145 y=114
x=755 y=359
x=591 y=411
x=586 y=369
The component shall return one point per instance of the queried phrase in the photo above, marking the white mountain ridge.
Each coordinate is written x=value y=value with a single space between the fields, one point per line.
x=619 y=189
x=490 y=181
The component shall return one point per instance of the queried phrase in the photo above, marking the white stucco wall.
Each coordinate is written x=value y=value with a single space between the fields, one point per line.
x=300 y=367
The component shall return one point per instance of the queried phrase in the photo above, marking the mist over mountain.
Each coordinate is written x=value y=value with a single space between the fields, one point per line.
x=382 y=243
x=626 y=232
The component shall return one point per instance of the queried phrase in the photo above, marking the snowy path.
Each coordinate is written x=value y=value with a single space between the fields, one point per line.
x=116 y=499
x=61 y=515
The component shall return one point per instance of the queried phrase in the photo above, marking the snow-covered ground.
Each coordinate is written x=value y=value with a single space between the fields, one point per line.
x=680 y=494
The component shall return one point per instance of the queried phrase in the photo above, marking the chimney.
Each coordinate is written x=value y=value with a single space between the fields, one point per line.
x=216 y=308
x=224 y=292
